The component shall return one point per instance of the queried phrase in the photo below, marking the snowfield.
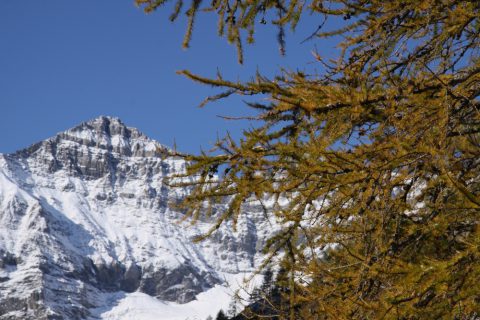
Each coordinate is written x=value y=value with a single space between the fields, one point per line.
x=139 y=306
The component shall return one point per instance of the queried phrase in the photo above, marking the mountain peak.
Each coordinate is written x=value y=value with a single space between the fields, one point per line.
x=93 y=147
x=104 y=122
x=101 y=128
x=104 y=133
x=110 y=133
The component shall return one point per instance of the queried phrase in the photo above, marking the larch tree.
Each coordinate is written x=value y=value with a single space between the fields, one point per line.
x=378 y=156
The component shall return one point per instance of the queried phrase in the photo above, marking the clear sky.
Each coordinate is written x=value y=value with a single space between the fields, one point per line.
x=65 y=62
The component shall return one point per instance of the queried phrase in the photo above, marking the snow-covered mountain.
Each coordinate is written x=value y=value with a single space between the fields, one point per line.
x=86 y=232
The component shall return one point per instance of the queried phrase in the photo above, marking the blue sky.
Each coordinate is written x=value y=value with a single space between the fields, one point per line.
x=65 y=62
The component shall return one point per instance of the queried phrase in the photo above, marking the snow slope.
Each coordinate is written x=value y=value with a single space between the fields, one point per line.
x=140 y=306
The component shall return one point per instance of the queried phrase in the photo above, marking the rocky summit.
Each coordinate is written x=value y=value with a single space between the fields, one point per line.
x=85 y=221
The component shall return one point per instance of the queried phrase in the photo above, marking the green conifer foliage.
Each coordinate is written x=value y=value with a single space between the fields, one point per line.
x=378 y=157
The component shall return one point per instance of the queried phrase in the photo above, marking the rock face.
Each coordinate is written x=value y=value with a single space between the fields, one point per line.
x=85 y=212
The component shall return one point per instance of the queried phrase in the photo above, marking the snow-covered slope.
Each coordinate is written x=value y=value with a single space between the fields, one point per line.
x=86 y=232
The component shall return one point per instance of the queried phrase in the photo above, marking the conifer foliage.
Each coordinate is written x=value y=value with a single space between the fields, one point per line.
x=221 y=316
x=378 y=156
